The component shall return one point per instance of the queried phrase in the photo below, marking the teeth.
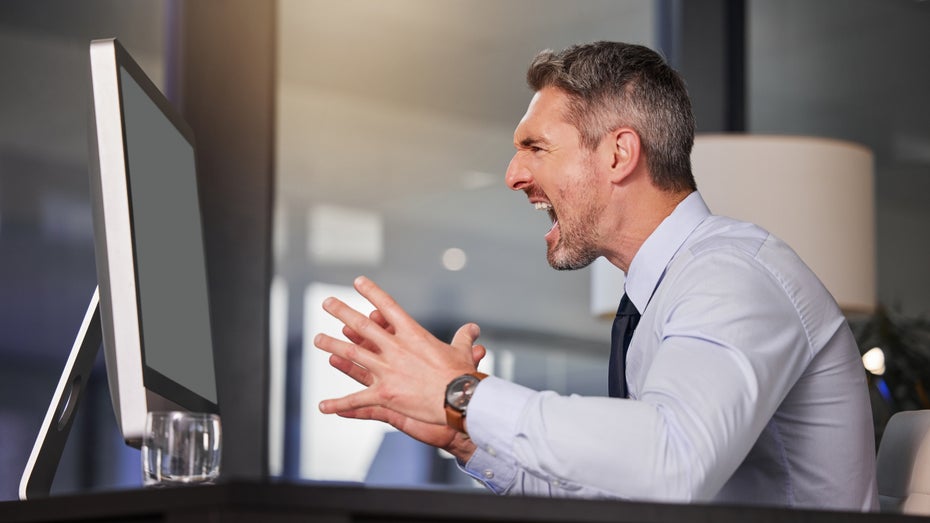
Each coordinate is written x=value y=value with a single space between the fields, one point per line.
x=542 y=206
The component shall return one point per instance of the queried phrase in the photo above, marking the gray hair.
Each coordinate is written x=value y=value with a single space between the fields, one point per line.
x=612 y=85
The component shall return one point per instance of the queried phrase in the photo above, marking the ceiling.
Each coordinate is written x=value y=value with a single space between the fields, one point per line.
x=464 y=58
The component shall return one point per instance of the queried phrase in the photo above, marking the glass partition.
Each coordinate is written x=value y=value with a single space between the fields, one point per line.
x=395 y=124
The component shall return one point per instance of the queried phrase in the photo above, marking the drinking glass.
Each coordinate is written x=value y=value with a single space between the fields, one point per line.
x=181 y=448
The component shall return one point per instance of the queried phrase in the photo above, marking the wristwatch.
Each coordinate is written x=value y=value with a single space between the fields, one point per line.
x=458 y=394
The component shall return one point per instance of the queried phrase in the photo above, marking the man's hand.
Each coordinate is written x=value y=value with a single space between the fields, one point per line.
x=404 y=368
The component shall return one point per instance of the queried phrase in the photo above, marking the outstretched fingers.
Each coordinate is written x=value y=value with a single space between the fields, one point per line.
x=379 y=318
x=370 y=413
x=346 y=350
x=358 y=340
x=478 y=352
x=389 y=310
x=354 y=337
x=352 y=370
x=466 y=335
x=352 y=402
x=361 y=326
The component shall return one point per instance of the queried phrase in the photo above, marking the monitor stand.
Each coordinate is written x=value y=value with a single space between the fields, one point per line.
x=50 y=443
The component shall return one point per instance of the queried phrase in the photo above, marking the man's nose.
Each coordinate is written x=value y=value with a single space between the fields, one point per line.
x=517 y=177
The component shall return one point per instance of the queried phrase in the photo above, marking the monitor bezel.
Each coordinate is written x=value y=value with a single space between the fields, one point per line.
x=135 y=388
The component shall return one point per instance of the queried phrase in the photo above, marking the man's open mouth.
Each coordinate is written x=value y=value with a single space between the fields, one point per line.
x=546 y=206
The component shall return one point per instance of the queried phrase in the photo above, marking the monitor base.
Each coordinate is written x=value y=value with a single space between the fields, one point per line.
x=50 y=442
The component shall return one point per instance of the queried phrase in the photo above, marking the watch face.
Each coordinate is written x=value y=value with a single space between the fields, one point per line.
x=459 y=392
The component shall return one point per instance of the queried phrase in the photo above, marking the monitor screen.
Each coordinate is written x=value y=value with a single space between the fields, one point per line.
x=151 y=269
x=168 y=247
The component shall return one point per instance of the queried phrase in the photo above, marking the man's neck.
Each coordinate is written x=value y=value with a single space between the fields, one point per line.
x=639 y=219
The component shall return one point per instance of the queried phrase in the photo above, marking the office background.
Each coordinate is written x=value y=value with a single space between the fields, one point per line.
x=391 y=124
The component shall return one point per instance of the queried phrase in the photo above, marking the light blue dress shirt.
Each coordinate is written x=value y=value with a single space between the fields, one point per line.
x=745 y=383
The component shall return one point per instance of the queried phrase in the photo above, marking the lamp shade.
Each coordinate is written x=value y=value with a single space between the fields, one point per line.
x=816 y=194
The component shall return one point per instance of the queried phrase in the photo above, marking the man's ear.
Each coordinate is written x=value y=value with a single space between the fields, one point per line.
x=625 y=149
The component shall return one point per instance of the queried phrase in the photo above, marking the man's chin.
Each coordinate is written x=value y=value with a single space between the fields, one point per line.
x=562 y=261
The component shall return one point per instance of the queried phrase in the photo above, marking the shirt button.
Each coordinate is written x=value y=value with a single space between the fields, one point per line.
x=492 y=452
x=488 y=474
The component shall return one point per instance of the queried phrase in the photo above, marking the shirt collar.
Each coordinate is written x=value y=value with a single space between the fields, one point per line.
x=649 y=263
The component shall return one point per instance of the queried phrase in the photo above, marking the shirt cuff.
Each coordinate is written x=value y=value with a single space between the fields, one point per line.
x=492 y=419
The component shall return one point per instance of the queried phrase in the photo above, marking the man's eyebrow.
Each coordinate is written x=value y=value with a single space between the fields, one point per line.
x=532 y=141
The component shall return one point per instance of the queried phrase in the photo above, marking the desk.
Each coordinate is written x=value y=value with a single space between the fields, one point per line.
x=243 y=501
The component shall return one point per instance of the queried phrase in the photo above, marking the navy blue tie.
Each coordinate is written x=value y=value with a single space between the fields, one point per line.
x=620 y=336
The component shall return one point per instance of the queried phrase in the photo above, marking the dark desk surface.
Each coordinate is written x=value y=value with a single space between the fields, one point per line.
x=288 y=502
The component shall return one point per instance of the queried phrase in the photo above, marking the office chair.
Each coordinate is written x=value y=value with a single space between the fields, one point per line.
x=904 y=464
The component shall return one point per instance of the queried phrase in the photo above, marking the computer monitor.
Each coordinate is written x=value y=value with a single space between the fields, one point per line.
x=151 y=308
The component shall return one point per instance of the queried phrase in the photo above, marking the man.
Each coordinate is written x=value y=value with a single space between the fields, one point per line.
x=741 y=382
